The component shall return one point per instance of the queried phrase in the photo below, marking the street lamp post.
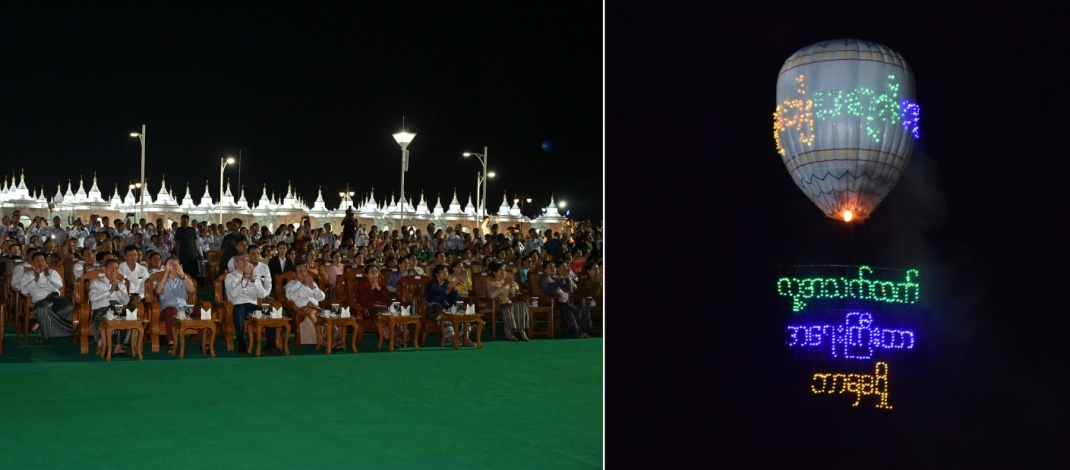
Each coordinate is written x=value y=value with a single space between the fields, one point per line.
x=141 y=137
x=403 y=138
x=223 y=162
x=481 y=183
x=346 y=195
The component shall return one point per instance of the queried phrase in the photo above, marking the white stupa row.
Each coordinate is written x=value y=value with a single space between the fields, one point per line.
x=70 y=201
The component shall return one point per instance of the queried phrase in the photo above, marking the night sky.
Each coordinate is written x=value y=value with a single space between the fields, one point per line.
x=310 y=93
x=980 y=212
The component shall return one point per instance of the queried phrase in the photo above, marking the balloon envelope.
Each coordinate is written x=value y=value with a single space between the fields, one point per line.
x=845 y=123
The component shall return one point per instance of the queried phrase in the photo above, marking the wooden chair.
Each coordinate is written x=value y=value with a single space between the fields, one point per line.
x=11 y=296
x=485 y=305
x=525 y=287
x=411 y=293
x=596 y=311
x=347 y=297
x=212 y=268
x=68 y=278
x=352 y=280
x=152 y=307
x=321 y=281
x=225 y=311
x=596 y=315
x=544 y=310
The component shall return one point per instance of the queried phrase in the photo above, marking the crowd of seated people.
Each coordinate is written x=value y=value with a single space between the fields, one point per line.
x=566 y=264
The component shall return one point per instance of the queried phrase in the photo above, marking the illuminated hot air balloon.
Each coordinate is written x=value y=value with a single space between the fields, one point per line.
x=845 y=123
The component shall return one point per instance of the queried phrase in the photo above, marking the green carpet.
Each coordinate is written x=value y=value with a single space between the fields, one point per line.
x=522 y=405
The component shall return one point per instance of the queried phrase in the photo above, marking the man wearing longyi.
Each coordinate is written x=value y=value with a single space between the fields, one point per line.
x=104 y=292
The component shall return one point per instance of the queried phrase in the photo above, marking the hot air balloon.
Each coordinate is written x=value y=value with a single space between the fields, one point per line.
x=845 y=123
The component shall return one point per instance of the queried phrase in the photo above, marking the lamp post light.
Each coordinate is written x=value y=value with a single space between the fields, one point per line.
x=223 y=162
x=481 y=182
x=346 y=195
x=403 y=138
x=135 y=188
x=141 y=137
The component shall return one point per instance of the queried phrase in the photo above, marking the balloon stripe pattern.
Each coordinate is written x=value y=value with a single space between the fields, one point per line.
x=845 y=123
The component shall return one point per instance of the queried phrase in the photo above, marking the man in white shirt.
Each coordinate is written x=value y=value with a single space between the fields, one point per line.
x=41 y=230
x=533 y=243
x=362 y=237
x=135 y=273
x=241 y=245
x=87 y=261
x=113 y=229
x=260 y=269
x=287 y=235
x=429 y=237
x=454 y=240
x=94 y=223
x=154 y=263
x=327 y=238
x=210 y=242
x=130 y=232
x=57 y=232
x=305 y=295
x=243 y=292
x=103 y=293
x=158 y=246
x=79 y=233
x=53 y=312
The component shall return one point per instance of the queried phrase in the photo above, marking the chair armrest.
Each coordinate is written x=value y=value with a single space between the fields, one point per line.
x=225 y=309
x=288 y=305
x=153 y=311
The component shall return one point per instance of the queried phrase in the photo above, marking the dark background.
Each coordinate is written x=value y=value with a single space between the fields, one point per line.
x=310 y=92
x=700 y=368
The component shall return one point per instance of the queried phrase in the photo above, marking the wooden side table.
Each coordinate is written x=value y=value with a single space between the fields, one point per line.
x=344 y=323
x=107 y=327
x=457 y=319
x=392 y=320
x=181 y=326
x=254 y=328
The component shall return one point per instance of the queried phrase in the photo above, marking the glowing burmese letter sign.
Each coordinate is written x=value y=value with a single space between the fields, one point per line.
x=855 y=339
x=860 y=287
x=845 y=123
